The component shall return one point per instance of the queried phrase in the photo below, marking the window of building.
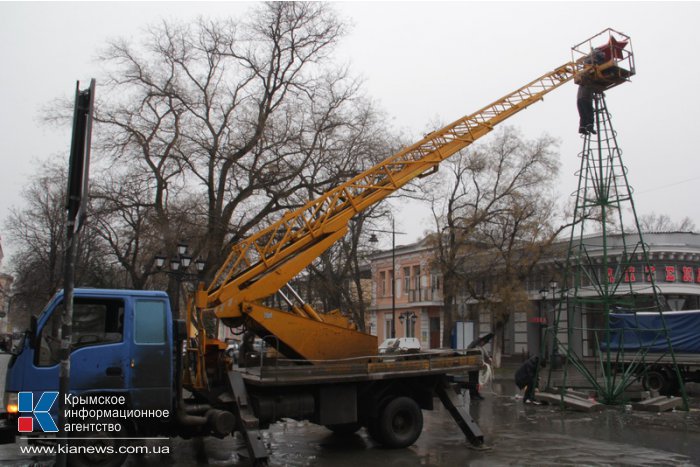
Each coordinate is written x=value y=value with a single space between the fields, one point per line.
x=435 y=281
x=406 y=279
x=416 y=277
x=382 y=284
x=410 y=326
x=391 y=282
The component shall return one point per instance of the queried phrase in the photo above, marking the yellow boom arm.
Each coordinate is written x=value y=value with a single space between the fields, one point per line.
x=262 y=264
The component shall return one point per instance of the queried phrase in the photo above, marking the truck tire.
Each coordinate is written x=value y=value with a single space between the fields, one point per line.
x=400 y=423
x=656 y=380
x=344 y=429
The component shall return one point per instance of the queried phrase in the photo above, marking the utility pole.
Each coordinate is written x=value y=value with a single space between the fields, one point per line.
x=393 y=278
x=76 y=204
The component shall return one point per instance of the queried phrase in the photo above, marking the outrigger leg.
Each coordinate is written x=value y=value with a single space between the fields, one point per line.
x=454 y=404
x=247 y=421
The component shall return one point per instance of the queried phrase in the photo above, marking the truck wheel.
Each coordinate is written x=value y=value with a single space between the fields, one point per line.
x=400 y=423
x=110 y=441
x=344 y=429
x=656 y=380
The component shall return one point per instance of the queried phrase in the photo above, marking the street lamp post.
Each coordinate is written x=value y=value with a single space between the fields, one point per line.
x=178 y=266
x=543 y=321
x=373 y=239
x=554 y=350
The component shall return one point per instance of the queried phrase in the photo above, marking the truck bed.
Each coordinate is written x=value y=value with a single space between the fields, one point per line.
x=283 y=373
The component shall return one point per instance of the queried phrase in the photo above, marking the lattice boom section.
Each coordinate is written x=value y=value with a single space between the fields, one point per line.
x=332 y=211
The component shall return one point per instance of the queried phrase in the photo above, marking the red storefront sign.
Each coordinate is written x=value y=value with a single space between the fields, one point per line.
x=687 y=274
x=670 y=273
x=632 y=274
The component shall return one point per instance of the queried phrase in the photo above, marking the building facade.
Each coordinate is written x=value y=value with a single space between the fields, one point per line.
x=417 y=307
x=411 y=299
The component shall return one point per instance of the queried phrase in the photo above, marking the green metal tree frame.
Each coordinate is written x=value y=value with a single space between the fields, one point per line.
x=597 y=275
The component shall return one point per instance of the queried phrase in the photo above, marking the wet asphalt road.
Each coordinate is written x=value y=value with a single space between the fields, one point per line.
x=516 y=434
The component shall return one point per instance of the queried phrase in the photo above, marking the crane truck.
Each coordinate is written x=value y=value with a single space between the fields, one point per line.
x=136 y=371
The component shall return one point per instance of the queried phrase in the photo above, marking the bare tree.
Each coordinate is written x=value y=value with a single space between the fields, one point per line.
x=209 y=130
x=221 y=126
x=496 y=198
x=223 y=112
x=123 y=216
x=513 y=242
x=662 y=223
x=38 y=234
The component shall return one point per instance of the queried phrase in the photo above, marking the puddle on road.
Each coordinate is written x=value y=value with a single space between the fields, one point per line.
x=538 y=448
x=516 y=434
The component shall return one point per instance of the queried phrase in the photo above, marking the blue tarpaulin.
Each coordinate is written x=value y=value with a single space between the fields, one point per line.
x=638 y=331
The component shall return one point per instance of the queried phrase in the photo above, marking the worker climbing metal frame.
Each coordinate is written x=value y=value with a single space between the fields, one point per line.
x=597 y=275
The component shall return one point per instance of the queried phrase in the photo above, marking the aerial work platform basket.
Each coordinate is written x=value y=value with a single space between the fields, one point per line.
x=608 y=60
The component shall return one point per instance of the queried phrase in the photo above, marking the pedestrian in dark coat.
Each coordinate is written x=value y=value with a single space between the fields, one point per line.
x=526 y=377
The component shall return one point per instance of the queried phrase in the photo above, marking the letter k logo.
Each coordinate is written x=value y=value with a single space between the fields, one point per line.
x=40 y=411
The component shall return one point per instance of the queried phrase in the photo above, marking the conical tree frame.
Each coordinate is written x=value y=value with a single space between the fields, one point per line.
x=597 y=278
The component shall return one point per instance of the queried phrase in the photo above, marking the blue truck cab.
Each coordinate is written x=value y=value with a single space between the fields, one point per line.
x=122 y=345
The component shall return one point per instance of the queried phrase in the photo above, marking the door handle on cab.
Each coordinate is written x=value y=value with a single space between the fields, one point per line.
x=114 y=371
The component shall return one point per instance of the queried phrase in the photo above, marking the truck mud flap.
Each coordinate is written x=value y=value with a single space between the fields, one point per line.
x=8 y=431
x=454 y=404
x=247 y=422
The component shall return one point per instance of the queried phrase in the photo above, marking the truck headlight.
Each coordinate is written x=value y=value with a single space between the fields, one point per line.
x=11 y=403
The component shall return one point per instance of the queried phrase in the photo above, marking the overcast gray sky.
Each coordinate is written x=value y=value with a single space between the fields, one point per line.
x=422 y=62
